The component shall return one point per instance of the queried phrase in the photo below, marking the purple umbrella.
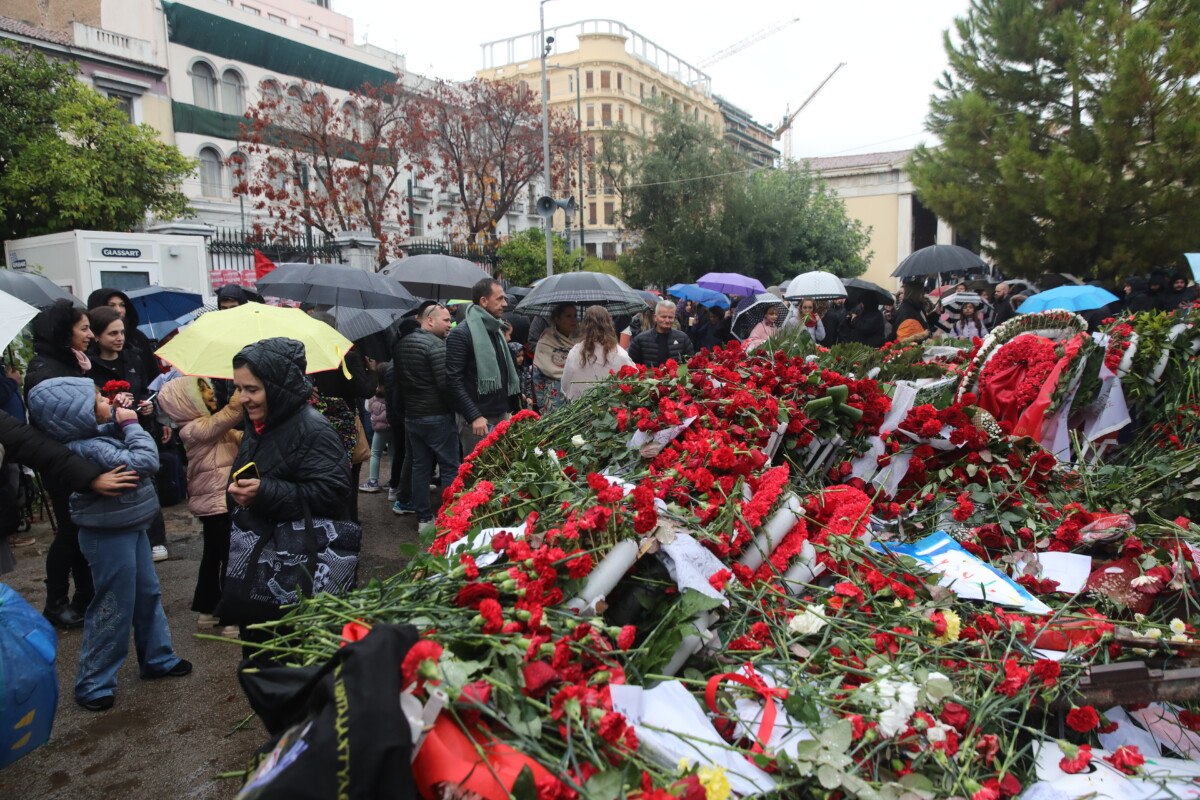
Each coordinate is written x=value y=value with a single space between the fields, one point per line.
x=731 y=283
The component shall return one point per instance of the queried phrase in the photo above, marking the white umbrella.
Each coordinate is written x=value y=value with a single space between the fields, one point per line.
x=957 y=300
x=817 y=285
x=15 y=314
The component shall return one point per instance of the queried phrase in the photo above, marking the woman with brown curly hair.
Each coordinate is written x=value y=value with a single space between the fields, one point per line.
x=595 y=357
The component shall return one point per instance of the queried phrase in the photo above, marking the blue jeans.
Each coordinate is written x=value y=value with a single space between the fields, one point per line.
x=127 y=595
x=430 y=438
x=381 y=442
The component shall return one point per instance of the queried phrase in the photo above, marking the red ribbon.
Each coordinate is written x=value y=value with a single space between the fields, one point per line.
x=752 y=681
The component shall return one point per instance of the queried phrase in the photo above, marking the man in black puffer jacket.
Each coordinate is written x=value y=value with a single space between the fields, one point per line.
x=654 y=348
x=296 y=452
x=428 y=415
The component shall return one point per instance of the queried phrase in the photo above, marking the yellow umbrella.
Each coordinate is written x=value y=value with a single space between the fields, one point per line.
x=206 y=347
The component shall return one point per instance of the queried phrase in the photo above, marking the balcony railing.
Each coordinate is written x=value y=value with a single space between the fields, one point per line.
x=113 y=44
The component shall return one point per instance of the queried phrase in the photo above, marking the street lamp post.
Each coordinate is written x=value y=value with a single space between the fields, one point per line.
x=545 y=45
x=579 y=144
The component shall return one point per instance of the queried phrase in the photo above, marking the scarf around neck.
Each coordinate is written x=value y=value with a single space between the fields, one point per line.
x=485 y=334
x=551 y=354
x=81 y=358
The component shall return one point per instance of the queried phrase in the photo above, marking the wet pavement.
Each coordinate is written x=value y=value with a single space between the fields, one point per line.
x=172 y=737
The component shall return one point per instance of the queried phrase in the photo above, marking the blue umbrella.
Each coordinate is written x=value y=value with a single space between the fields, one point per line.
x=1068 y=298
x=161 y=309
x=697 y=294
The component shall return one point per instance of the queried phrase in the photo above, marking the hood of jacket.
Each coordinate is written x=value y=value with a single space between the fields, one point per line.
x=1138 y=284
x=180 y=399
x=51 y=330
x=65 y=408
x=100 y=297
x=280 y=364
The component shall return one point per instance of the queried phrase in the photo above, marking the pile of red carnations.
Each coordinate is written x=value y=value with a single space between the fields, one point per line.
x=713 y=580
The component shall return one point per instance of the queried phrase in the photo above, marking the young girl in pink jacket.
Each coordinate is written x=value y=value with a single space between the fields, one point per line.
x=211 y=443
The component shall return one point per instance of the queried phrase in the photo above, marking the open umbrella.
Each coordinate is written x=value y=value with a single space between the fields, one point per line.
x=857 y=288
x=650 y=297
x=817 y=285
x=438 y=277
x=207 y=346
x=15 y=314
x=162 y=309
x=751 y=311
x=731 y=283
x=698 y=294
x=584 y=289
x=36 y=290
x=359 y=323
x=334 y=285
x=1068 y=298
x=938 y=258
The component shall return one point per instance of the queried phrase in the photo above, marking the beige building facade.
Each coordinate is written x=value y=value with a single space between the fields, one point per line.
x=608 y=74
x=877 y=192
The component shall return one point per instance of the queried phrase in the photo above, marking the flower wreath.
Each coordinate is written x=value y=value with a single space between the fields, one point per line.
x=1121 y=348
x=1038 y=355
x=1046 y=324
x=1077 y=352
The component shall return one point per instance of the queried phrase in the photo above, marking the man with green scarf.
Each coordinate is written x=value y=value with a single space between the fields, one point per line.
x=483 y=383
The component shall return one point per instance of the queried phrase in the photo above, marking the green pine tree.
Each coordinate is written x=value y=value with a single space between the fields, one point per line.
x=1068 y=133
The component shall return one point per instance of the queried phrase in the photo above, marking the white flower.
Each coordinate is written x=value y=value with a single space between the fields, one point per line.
x=1143 y=580
x=1153 y=633
x=809 y=622
x=577 y=440
x=1178 y=627
x=537 y=451
x=1180 y=637
x=900 y=701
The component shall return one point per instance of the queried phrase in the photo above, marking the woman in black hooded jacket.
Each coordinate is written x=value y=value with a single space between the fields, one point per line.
x=61 y=334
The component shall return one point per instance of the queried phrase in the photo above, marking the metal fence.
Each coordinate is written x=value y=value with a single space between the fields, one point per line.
x=483 y=254
x=234 y=250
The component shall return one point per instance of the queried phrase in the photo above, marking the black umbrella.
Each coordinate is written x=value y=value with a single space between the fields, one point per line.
x=438 y=277
x=650 y=297
x=334 y=285
x=584 y=289
x=36 y=290
x=753 y=309
x=359 y=323
x=856 y=288
x=515 y=294
x=938 y=258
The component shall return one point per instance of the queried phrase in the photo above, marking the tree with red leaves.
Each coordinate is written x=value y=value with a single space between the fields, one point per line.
x=309 y=161
x=486 y=138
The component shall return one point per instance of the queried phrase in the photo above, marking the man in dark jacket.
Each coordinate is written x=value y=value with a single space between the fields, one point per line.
x=654 y=348
x=483 y=382
x=707 y=332
x=428 y=414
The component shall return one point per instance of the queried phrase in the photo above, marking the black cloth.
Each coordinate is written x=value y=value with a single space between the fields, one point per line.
x=211 y=574
x=334 y=383
x=653 y=349
x=24 y=444
x=128 y=366
x=705 y=334
x=53 y=357
x=339 y=739
x=1002 y=311
x=909 y=310
x=832 y=321
x=462 y=378
x=520 y=326
x=421 y=357
x=867 y=327
x=298 y=454
x=1139 y=299
x=133 y=337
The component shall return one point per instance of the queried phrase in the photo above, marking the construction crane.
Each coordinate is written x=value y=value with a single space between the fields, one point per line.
x=785 y=127
x=721 y=55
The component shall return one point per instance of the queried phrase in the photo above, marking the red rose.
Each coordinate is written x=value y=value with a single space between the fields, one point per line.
x=1079 y=762
x=1189 y=720
x=538 y=678
x=1127 y=759
x=1083 y=719
x=956 y=716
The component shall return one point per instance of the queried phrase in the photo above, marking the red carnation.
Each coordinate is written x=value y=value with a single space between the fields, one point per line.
x=580 y=566
x=1079 y=762
x=423 y=650
x=1015 y=678
x=612 y=727
x=1189 y=720
x=849 y=590
x=1127 y=759
x=626 y=636
x=493 y=617
x=1083 y=719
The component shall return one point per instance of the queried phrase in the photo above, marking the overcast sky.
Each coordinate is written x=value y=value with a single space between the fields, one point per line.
x=878 y=101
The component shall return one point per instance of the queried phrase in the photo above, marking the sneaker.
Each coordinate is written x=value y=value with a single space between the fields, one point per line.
x=207 y=621
x=392 y=495
x=102 y=703
x=184 y=667
x=231 y=632
x=159 y=551
x=400 y=509
x=423 y=521
x=370 y=486
x=21 y=541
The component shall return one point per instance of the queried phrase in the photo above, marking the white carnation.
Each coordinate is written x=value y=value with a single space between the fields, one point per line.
x=577 y=440
x=811 y=621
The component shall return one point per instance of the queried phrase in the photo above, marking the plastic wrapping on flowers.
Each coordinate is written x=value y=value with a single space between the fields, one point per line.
x=730 y=529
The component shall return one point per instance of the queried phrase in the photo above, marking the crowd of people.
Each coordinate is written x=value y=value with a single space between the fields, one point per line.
x=111 y=431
